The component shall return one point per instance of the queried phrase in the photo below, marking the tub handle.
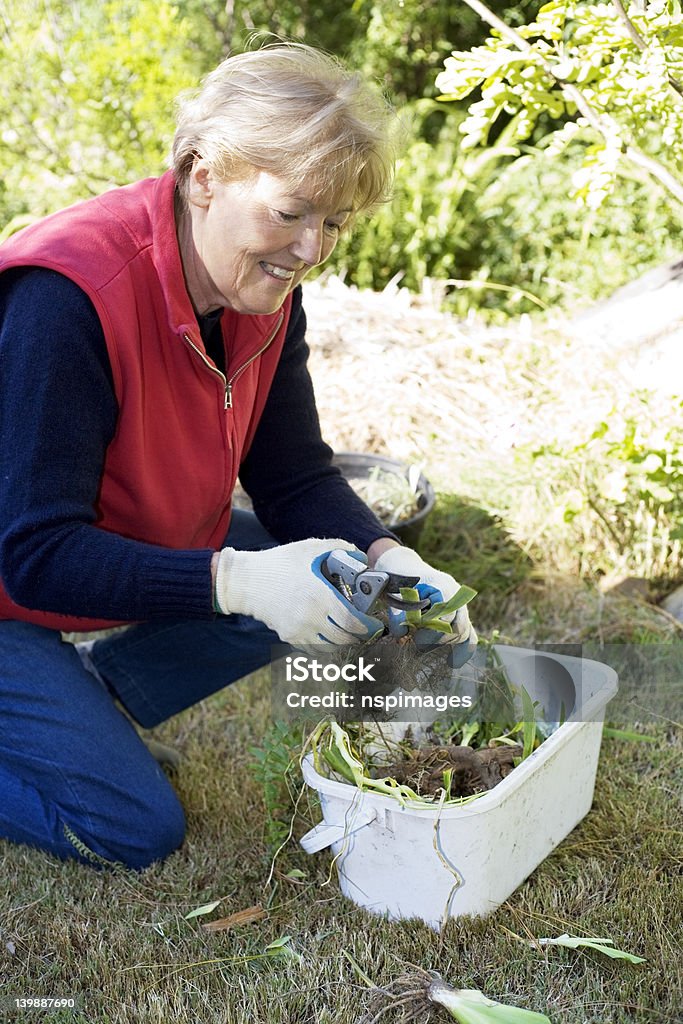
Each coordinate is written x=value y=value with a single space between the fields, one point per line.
x=323 y=835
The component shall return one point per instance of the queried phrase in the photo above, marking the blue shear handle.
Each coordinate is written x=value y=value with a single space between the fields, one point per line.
x=367 y=626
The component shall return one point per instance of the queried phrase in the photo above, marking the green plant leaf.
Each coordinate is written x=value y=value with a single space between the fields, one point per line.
x=413 y=617
x=282 y=947
x=358 y=969
x=337 y=763
x=461 y=597
x=437 y=625
x=470 y=1006
x=207 y=908
x=600 y=945
x=529 y=717
x=469 y=731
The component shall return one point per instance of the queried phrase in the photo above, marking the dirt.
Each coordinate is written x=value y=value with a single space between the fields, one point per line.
x=474 y=771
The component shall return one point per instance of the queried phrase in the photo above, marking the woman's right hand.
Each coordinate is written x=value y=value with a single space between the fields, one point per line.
x=285 y=588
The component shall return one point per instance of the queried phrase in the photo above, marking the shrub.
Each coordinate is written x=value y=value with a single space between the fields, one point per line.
x=615 y=499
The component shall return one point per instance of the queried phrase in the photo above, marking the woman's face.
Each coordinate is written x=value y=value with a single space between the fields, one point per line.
x=245 y=245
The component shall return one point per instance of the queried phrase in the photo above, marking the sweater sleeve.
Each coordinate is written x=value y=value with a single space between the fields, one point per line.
x=57 y=416
x=288 y=473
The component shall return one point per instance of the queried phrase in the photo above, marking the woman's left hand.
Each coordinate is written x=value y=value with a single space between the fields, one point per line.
x=437 y=586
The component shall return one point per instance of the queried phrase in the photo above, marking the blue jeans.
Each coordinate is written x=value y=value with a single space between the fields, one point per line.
x=75 y=777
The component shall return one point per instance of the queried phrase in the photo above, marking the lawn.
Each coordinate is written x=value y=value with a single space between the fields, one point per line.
x=121 y=943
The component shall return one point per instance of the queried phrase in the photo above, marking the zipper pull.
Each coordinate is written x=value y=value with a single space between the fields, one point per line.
x=228 y=395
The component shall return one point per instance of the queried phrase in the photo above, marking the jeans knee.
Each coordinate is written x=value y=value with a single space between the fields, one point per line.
x=140 y=834
x=159 y=833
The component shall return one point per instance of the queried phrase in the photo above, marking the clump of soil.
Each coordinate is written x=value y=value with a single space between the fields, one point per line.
x=474 y=771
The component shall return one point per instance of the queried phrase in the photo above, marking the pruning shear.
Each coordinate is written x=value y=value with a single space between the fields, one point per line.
x=365 y=588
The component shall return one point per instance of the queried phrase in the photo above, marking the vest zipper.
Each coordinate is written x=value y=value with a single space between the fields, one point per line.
x=209 y=365
x=229 y=382
x=267 y=343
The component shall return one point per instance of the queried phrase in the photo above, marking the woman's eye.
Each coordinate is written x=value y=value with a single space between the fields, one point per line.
x=287 y=218
x=331 y=226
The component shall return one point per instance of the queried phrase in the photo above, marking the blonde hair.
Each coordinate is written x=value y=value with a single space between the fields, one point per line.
x=295 y=112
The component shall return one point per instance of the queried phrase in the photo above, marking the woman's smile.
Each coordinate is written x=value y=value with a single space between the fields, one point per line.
x=280 y=273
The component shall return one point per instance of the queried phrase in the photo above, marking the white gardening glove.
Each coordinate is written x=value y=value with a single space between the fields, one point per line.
x=438 y=586
x=285 y=588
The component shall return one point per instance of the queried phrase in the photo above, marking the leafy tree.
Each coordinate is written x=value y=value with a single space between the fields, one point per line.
x=88 y=95
x=402 y=42
x=612 y=75
x=220 y=27
x=89 y=87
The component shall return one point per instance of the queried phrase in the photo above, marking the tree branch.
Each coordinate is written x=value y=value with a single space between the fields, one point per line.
x=602 y=123
x=642 y=46
x=629 y=26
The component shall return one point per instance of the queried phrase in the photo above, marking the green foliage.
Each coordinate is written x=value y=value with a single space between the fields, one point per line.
x=494 y=225
x=363 y=755
x=620 y=493
x=434 y=616
x=218 y=28
x=401 y=44
x=532 y=234
x=98 y=107
x=502 y=221
x=431 y=228
x=276 y=768
x=622 y=85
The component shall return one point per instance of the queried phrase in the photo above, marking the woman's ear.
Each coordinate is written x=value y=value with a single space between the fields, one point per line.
x=200 y=183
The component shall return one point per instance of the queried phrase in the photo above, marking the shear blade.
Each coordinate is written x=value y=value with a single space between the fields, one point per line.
x=407 y=606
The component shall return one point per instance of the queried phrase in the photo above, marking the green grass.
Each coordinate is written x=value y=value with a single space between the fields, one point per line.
x=120 y=941
x=476 y=547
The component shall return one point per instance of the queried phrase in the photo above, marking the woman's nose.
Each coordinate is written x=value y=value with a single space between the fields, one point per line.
x=308 y=245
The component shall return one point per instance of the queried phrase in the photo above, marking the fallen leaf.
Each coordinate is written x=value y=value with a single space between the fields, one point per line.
x=605 y=946
x=282 y=947
x=246 y=916
x=205 y=909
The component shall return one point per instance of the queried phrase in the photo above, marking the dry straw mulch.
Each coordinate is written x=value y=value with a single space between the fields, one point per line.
x=395 y=375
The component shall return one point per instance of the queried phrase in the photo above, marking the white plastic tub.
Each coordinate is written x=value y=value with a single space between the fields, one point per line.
x=436 y=864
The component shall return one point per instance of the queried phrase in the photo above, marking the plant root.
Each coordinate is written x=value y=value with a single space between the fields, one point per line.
x=473 y=771
x=407 y=996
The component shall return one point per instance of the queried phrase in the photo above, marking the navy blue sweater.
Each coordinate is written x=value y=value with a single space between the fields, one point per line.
x=58 y=413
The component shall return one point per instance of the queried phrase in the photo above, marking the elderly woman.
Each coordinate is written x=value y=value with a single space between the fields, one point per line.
x=152 y=349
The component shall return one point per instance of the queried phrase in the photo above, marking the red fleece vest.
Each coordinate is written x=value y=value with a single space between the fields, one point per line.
x=171 y=467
